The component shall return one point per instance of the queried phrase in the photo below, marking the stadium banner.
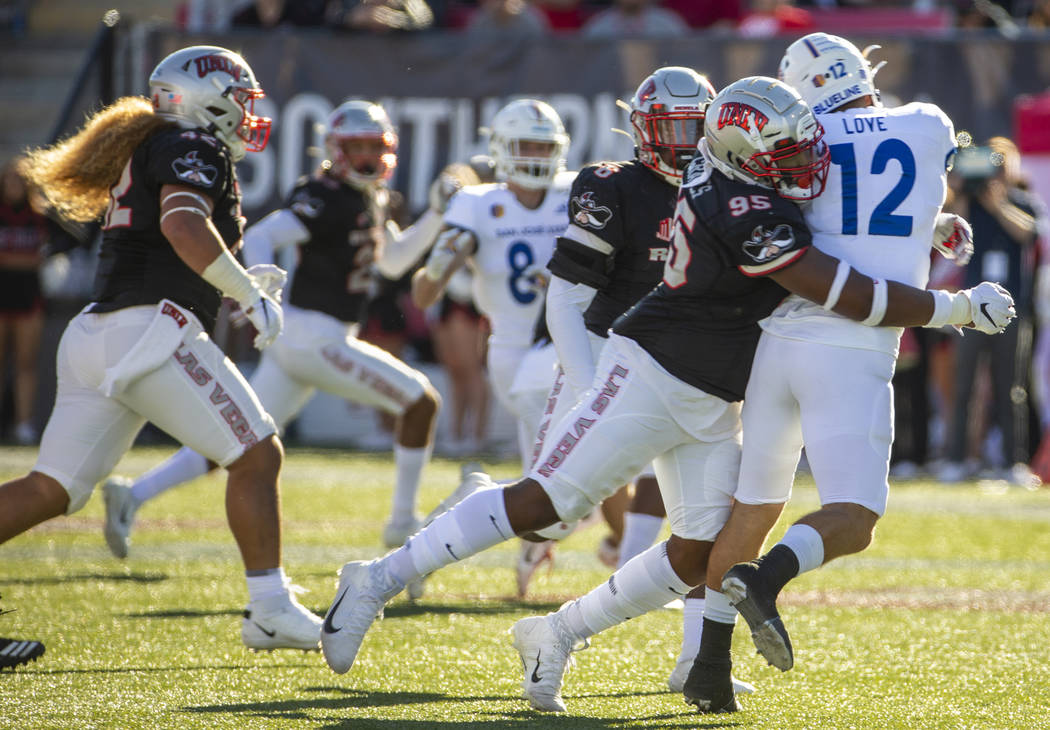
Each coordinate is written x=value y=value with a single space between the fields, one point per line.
x=439 y=88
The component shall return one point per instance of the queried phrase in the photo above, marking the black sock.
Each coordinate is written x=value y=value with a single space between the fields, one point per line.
x=777 y=567
x=715 y=642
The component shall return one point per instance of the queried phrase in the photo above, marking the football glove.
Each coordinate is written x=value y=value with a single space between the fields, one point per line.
x=447 y=246
x=991 y=307
x=266 y=315
x=445 y=185
x=270 y=278
x=953 y=237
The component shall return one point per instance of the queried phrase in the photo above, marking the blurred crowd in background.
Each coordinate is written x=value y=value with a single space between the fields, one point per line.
x=966 y=407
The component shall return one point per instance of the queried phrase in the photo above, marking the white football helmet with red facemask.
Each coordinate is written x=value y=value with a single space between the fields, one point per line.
x=759 y=130
x=214 y=89
x=667 y=119
x=361 y=143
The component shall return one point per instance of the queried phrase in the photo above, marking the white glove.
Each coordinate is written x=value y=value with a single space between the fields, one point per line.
x=538 y=277
x=270 y=278
x=991 y=307
x=441 y=191
x=953 y=237
x=266 y=315
x=447 y=246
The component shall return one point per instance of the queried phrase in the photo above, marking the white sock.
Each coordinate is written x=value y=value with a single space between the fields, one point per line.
x=639 y=532
x=263 y=584
x=409 y=463
x=644 y=584
x=475 y=524
x=692 y=627
x=718 y=608
x=807 y=544
x=184 y=465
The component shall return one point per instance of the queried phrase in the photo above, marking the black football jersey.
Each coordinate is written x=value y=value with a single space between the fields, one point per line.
x=701 y=322
x=137 y=264
x=630 y=208
x=334 y=271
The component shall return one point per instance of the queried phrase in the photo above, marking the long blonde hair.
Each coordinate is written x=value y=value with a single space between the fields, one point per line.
x=75 y=175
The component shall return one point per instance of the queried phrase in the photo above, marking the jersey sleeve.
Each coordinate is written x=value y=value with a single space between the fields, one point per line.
x=191 y=158
x=767 y=236
x=460 y=211
x=594 y=203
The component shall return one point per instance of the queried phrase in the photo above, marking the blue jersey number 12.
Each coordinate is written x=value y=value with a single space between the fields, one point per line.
x=884 y=222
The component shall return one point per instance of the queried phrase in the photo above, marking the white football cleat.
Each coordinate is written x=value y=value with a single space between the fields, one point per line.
x=364 y=588
x=280 y=622
x=545 y=647
x=531 y=557
x=120 y=514
x=676 y=682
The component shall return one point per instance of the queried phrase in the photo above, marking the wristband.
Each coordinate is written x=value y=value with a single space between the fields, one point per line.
x=229 y=277
x=949 y=308
x=879 y=300
x=841 y=274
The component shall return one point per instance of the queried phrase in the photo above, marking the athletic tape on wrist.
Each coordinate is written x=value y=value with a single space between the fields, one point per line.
x=841 y=274
x=229 y=277
x=879 y=300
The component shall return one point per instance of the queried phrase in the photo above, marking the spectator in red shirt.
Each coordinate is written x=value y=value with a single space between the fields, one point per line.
x=773 y=17
x=708 y=13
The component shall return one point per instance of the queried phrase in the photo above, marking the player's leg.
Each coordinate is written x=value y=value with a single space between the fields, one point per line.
x=212 y=410
x=282 y=397
x=644 y=517
x=772 y=442
x=363 y=373
x=699 y=479
x=594 y=450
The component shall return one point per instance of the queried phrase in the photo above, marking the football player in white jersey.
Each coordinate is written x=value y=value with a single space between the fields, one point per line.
x=505 y=231
x=819 y=378
x=337 y=218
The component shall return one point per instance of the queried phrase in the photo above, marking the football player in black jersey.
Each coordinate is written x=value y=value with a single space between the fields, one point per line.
x=338 y=221
x=163 y=176
x=668 y=386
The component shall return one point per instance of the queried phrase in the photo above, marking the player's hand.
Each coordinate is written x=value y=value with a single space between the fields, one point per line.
x=448 y=245
x=441 y=191
x=538 y=277
x=953 y=237
x=270 y=278
x=991 y=307
x=266 y=315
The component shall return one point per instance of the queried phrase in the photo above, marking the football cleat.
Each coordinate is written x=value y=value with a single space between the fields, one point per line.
x=364 y=588
x=280 y=622
x=18 y=651
x=531 y=557
x=676 y=682
x=120 y=514
x=745 y=591
x=545 y=647
x=709 y=687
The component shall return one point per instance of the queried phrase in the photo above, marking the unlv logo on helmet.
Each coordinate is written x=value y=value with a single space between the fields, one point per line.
x=215 y=62
x=735 y=114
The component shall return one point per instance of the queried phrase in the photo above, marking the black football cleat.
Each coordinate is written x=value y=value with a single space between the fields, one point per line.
x=709 y=687
x=18 y=651
x=749 y=596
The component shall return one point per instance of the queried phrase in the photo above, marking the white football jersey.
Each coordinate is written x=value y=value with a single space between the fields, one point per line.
x=886 y=185
x=512 y=241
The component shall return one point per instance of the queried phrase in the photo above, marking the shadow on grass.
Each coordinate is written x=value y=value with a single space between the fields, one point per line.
x=343 y=699
x=491 y=607
x=157 y=670
x=51 y=580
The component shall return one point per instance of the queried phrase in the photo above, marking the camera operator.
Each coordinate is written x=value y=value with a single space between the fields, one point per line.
x=991 y=194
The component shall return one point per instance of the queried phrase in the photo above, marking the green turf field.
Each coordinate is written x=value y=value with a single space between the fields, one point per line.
x=943 y=623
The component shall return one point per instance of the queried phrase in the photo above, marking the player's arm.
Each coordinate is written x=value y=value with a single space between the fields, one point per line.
x=402 y=248
x=278 y=230
x=185 y=220
x=449 y=254
x=875 y=302
x=578 y=268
